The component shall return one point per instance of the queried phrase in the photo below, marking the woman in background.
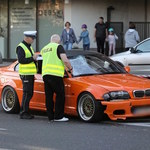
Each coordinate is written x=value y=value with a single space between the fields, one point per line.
x=131 y=37
x=68 y=37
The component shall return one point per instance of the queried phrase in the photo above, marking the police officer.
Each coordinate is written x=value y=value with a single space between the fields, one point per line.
x=54 y=60
x=27 y=69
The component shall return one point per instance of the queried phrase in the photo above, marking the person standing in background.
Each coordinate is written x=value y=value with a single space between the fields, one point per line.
x=131 y=37
x=100 y=35
x=85 y=36
x=68 y=37
x=112 y=37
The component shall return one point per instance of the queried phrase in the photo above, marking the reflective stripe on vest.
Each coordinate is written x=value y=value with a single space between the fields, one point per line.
x=51 y=65
x=27 y=69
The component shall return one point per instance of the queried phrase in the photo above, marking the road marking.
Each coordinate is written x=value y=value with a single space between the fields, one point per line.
x=4 y=149
x=141 y=124
x=2 y=129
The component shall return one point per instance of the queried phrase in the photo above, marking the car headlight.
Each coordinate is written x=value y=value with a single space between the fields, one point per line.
x=116 y=95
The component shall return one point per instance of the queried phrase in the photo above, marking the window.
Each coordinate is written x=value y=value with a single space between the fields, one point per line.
x=3 y=28
x=22 y=18
x=50 y=20
x=144 y=47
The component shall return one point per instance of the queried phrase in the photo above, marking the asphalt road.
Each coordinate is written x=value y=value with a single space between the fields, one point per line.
x=39 y=134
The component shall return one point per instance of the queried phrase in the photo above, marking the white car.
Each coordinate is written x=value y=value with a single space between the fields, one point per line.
x=137 y=58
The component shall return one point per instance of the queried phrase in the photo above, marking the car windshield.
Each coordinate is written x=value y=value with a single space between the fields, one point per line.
x=93 y=65
x=88 y=64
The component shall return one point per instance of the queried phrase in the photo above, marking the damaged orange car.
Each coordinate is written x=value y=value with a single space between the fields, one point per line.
x=97 y=86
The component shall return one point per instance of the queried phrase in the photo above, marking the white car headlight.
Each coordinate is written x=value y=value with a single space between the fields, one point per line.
x=116 y=95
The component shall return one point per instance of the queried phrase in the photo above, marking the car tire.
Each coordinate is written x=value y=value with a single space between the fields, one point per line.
x=10 y=103
x=89 y=110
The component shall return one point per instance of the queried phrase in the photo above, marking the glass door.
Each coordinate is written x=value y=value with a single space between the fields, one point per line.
x=50 y=20
x=3 y=28
x=22 y=18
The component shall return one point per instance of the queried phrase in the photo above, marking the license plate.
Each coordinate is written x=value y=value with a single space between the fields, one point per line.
x=143 y=110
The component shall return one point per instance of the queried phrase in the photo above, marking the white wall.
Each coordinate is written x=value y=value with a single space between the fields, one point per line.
x=84 y=12
x=89 y=11
x=126 y=11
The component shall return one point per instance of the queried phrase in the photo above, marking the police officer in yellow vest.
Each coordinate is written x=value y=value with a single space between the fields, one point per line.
x=27 y=69
x=54 y=60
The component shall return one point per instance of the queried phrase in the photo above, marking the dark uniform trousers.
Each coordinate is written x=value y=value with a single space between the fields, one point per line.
x=28 y=84
x=54 y=84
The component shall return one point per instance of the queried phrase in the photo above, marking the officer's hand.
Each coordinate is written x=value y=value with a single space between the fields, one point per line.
x=35 y=56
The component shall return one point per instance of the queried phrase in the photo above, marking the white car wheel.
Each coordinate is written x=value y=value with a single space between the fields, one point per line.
x=10 y=102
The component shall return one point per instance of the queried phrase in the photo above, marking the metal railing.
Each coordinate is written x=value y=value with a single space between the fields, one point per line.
x=143 y=29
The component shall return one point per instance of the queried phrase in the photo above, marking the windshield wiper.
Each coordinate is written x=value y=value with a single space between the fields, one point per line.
x=89 y=74
x=113 y=72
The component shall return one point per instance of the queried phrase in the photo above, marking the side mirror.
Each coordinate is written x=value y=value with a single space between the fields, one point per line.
x=127 y=69
x=132 y=50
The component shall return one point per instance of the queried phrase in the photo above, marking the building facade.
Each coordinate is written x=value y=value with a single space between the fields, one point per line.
x=48 y=17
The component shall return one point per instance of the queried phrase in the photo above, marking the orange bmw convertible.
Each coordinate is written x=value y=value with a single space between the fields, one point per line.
x=97 y=86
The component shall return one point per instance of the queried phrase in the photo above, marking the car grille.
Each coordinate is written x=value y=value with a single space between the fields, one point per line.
x=141 y=93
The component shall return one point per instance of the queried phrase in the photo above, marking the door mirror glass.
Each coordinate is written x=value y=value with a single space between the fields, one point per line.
x=127 y=69
x=132 y=50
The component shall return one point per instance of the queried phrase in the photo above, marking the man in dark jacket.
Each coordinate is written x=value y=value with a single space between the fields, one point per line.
x=100 y=35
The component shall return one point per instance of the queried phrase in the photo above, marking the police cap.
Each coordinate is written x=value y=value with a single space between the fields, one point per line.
x=30 y=33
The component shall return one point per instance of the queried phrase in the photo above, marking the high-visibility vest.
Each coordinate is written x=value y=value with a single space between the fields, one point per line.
x=51 y=64
x=27 y=69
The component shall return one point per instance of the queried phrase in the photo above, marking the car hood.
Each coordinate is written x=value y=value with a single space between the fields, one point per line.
x=117 y=82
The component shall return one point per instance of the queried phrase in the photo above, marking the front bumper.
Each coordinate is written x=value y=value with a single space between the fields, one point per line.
x=126 y=108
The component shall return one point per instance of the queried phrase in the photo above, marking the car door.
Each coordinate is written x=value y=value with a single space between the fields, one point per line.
x=38 y=100
x=139 y=60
